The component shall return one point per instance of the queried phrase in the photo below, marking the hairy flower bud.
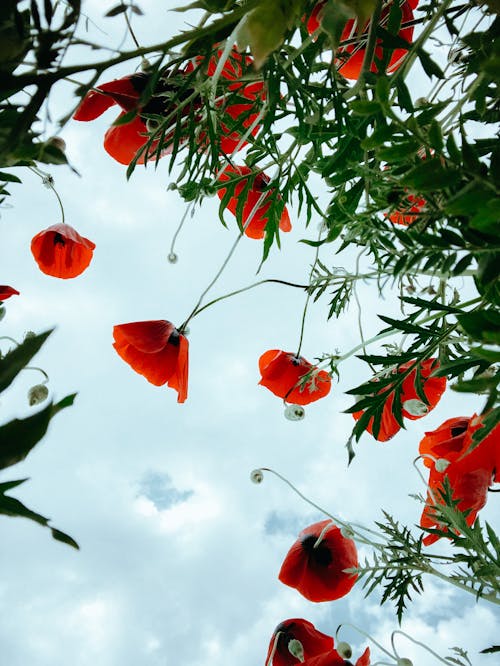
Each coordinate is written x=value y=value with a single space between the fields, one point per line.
x=403 y=661
x=294 y=412
x=344 y=649
x=173 y=258
x=441 y=464
x=37 y=394
x=256 y=476
x=295 y=648
x=415 y=407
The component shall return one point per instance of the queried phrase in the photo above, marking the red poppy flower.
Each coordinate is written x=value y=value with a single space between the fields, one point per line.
x=469 y=471
x=156 y=350
x=241 y=112
x=317 y=571
x=60 y=251
x=124 y=141
x=313 y=642
x=256 y=224
x=408 y=214
x=6 y=292
x=293 y=378
x=349 y=58
x=412 y=407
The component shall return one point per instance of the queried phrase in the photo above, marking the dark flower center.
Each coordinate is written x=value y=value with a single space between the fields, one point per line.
x=174 y=338
x=320 y=555
x=458 y=430
x=59 y=240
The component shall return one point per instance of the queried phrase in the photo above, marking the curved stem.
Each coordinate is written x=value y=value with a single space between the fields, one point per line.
x=413 y=640
x=366 y=635
x=32 y=367
x=129 y=27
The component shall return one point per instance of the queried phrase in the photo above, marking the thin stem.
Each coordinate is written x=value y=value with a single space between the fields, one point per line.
x=413 y=640
x=363 y=633
x=32 y=367
x=48 y=181
x=369 y=52
x=6 y=337
x=129 y=27
x=308 y=297
x=250 y=286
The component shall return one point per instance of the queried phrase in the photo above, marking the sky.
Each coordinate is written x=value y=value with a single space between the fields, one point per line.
x=179 y=550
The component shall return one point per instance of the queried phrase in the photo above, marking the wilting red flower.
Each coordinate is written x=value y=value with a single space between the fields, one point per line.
x=6 y=292
x=412 y=407
x=313 y=642
x=469 y=471
x=317 y=571
x=244 y=111
x=293 y=378
x=60 y=251
x=350 y=58
x=256 y=224
x=156 y=350
x=408 y=214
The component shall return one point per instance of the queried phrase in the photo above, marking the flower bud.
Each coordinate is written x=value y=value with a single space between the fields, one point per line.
x=403 y=661
x=415 y=407
x=347 y=532
x=296 y=650
x=441 y=464
x=294 y=412
x=344 y=650
x=28 y=335
x=58 y=143
x=256 y=476
x=37 y=394
x=173 y=258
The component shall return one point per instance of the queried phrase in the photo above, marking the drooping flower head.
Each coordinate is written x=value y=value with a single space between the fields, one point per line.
x=409 y=211
x=283 y=644
x=411 y=403
x=469 y=471
x=293 y=378
x=6 y=292
x=156 y=350
x=125 y=140
x=252 y=217
x=315 y=566
x=60 y=251
x=350 y=57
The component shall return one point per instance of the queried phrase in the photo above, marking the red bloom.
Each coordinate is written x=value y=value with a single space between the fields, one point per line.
x=412 y=407
x=313 y=642
x=156 y=350
x=61 y=252
x=6 y=292
x=257 y=222
x=470 y=471
x=293 y=379
x=408 y=214
x=317 y=572
x=124 y=141
x=242 y=111
x=350 y=58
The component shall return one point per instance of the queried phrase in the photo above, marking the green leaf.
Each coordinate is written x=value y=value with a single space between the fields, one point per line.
x=430 y=175
x=20 y=436
x=115 y=11
x=430 y=67
x=14 y=361
x=9 y=177
x=482 y=325
x=12 y=507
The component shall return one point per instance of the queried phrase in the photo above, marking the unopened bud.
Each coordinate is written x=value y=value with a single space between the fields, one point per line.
x=29 y=334
x=441 y=464
x=145 y=65
x=256 y=476
x=58 y=143
x=173 y=258
x=403 y=661
x=415 y=407
x=344 y=650
x=37 y=394
x=296 y=650
x=294 y=412
x=347 y=532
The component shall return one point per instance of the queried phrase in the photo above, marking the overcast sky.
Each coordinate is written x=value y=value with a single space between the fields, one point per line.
x=179 y=551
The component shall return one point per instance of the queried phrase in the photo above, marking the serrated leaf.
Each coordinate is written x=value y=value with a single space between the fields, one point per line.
x=16 y=359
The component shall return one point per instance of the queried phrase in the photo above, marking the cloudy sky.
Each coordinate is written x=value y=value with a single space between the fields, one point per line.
x=179 y=551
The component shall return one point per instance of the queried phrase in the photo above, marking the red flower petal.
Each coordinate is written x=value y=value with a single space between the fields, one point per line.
x=254 y=218
x=313 y=642
x=60 y=251
x=6 y=292
x=364 y=660
x=331 y=658
x=317 y=572
x=95 y=103
x=283 y=374
x=156 y=350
